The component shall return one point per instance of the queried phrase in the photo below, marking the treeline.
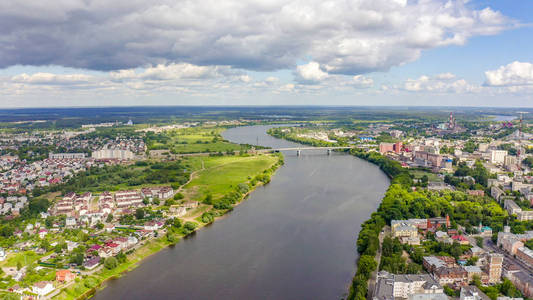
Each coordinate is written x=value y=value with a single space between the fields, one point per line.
x=278 y=133
x=368 y=240
x=112 y=178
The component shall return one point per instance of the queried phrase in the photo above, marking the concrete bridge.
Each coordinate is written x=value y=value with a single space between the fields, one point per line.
x=300 y=149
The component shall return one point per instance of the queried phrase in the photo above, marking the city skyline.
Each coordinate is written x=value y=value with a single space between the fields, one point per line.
x=399 y=53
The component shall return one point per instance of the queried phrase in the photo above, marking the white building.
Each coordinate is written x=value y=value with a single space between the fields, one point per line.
x=66 y=155
x=42 y=288
x=497 y=156
x=113 y=154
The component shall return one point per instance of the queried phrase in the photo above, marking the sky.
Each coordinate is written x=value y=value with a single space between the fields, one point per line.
x=66 y=53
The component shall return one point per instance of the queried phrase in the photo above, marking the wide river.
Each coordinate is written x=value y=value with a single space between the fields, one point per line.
x=291 y=239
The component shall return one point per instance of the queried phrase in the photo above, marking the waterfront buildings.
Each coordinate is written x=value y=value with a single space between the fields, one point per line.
x=393 y=286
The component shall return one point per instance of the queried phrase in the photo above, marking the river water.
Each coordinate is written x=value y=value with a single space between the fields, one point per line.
x=291 y=239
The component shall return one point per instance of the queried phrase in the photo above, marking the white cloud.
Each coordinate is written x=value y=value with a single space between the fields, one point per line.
x=445 y=76
x=287 y=88
x=343 y=37
x=171 y=72
x=49 y=78
x=310 y=73
x=441 y=83
x=362 y=81
x=245 y=78
x=271 y=80
x=513 y=74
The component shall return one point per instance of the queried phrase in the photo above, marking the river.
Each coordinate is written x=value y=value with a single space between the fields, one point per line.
x=291 y=239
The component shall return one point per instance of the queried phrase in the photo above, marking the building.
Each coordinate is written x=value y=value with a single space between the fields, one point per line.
x=392 y=286
x=509 y=242
x=386 y=147
x=472 y=271
x=113 y=154
x=433 y=224
x=406 y=231
x=476 y=192
x=497 y=156
x=494 y=267
x=451 y=276
x=525 y=254
x=445 y=270
x=524 y=215
x=65 y=276
x=523 y=281
x=511 y=207
x=42 y=288
x=472 y=293
x=496 y=192
x=67 y=155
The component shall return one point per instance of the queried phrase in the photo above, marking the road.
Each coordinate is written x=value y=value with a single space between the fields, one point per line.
x=373 y=276
x=489 y=244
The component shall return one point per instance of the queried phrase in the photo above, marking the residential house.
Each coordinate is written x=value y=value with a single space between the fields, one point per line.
x=42 y=288
x=65 y=276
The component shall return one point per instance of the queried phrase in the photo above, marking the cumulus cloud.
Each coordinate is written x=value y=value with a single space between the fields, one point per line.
x=361 y=81
x=310 y=73
x=49 y=78
x=343 y=37
x=513 y=74
x=172 y=71
x=441 y=83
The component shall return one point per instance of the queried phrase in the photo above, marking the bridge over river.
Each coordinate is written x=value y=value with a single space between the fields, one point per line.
x=299 y=149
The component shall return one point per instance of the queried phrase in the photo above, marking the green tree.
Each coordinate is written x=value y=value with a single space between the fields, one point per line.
x=367 y=264
x=190 y=226
x=110 y=263
x=139 y=214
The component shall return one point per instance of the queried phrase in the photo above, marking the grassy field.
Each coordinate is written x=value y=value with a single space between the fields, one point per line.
x=25 y=258
x=193 y=140
x=419 y=173
x=220 y=175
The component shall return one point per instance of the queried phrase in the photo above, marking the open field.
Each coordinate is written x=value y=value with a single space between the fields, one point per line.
x=193 y=140
x=220 y=175
x=431 y=176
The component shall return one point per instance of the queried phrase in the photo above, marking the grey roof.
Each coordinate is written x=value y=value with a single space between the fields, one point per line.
x=434 y=261
x=472 y=290
x=524 y=277
x=385 y=285
x=472 y=269
x=440 y=296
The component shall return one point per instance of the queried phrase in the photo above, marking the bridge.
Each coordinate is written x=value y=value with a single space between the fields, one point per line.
x=299 y=149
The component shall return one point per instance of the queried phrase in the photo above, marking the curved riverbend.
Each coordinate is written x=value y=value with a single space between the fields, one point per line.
x=291 y=239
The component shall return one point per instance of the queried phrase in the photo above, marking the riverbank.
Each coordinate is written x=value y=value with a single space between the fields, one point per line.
x=368 y=239
x=316 y=203
x=88 y=285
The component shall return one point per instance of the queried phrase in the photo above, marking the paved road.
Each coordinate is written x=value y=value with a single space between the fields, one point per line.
x=512 y=259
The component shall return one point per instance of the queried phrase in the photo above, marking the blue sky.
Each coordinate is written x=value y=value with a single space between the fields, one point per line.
x=379 y=52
